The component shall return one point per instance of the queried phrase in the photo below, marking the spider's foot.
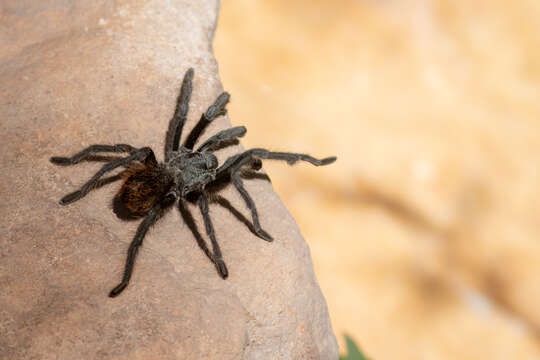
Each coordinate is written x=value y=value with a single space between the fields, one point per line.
x=69 y=198
x=221 y=268
x=117 y=290
x=59 y=160
x=328 y=160
x=264 y=235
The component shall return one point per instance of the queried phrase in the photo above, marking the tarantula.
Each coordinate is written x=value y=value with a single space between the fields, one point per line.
x=151 y=188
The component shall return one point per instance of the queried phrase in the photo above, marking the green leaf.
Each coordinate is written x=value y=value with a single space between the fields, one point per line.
x=353 y=352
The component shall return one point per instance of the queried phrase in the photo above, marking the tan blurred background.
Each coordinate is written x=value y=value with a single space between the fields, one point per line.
x=425 y=233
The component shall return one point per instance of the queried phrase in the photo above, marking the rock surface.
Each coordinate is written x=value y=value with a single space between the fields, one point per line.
x=75 y=74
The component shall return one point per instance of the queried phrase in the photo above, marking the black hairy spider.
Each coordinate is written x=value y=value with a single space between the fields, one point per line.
x=151 y=188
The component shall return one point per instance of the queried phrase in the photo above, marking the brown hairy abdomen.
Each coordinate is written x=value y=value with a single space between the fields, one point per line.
x=143 y=186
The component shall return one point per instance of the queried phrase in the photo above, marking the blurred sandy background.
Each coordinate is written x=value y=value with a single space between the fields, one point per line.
x=425 y=233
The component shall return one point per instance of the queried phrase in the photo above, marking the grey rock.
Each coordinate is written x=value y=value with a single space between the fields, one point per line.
x=78 y=73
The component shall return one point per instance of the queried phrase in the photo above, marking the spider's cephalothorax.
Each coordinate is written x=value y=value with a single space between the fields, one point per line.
x=187 y=174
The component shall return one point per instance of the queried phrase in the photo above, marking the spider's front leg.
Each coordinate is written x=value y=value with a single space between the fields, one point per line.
x=143 y=154
x=223 y=138
x=176 y=125
x=215 y=110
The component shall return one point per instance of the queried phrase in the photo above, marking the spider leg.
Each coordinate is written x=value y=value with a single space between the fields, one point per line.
x=237 y=161
x=144 y=226
x=226 y=204
x=105 y=181
x=252 y=158
x=180 y=114
x=192 y=225
x=88 y=153
x=222 y=138
x=142 y=154
x=239 y=185
x=215 y=110
x=218 y=261
x=102 y=158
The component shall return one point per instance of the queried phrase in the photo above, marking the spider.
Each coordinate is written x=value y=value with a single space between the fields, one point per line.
x=151 y=188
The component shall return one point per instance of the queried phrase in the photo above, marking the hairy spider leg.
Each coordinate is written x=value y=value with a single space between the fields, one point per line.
x=105 y=181
x=180 y=114
x=192 y=225
x=222 y=139
x=239 y=185
x=233 y=164
x=215 y=110
x=143 y=154
x=102 y=158
x=88 y=153
x=218 y=261
x=237 y=161
x=144 y=226
x=226 y=204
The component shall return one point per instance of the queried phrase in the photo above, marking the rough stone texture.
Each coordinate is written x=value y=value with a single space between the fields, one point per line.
x=425 y=235
x=77 y=73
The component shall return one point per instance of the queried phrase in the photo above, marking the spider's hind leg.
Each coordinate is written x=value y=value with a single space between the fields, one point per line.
x=144 y=154
x=88 y=153
x=144 y=226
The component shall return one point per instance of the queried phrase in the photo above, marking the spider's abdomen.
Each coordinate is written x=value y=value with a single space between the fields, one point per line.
x=144 y=185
